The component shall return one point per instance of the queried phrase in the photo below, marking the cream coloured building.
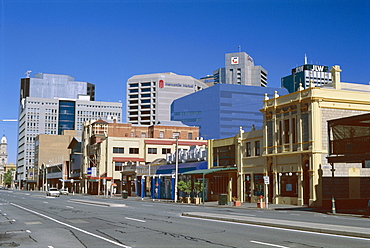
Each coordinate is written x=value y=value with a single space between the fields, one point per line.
x=296 y=143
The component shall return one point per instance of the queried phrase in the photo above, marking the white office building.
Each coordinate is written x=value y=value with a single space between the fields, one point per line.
x=52 y=103
x=240 y=69
x=149 y=96
x=305 y=75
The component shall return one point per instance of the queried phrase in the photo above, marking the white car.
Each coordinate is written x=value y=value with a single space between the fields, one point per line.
x=63 y=192
x=53 y=192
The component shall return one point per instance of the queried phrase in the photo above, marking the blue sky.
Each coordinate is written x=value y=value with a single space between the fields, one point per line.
x=106 y=42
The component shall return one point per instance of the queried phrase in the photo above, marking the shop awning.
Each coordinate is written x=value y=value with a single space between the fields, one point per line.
x=119 y=159
x=208 y=171
x=184 y=167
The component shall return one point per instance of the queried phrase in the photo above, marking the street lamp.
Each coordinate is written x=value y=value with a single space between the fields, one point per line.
x=176 y=167
x=332 y=189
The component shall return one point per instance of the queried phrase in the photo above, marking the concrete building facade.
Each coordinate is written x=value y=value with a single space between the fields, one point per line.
x=120 y=153
x=51 y=103
x=296 y=141
x=240 y=69
x=149 y=96
x=304 y=75
x=286 y=162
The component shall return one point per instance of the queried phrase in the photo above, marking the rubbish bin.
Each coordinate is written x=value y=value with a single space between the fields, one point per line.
x=222 y=199
x=124 y=194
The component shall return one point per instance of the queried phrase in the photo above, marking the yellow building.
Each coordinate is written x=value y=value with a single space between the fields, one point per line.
x=287 y=159
x=296 y=142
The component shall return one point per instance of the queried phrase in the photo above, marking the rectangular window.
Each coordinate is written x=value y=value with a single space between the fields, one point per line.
x=294 y=130
x=257 y=150
x=190 y=136
x=143 y=135
x=259 y=185
x=161 y=134
x=152 y=150
x=118 y=150
x=280 y=133
x=269 y=134
x=249 y=151
x=134 y=150
x=305 y=128
x=286 y=131
x=166 y=150
x=118 y=166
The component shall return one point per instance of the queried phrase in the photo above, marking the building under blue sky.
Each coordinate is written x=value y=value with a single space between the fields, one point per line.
x=220 y=110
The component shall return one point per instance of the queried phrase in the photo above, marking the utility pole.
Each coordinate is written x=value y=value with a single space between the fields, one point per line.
x=177 y=166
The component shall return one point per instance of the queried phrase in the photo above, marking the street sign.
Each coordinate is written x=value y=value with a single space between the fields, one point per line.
x=266 y=179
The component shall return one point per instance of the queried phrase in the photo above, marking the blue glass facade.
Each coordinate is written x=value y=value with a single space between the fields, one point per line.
x=220 y=110
x=66 y=116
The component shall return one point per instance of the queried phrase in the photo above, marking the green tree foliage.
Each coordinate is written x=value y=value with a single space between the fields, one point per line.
x=8 y=177
x=185 y=187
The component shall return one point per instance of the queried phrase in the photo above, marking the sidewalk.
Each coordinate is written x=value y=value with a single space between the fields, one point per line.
x=287 y=224
x=278 y=223
x=247 y=205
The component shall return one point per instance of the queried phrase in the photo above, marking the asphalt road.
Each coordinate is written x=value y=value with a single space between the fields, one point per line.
x=30 y=219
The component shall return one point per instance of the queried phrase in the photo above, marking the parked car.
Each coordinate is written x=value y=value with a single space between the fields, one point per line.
x=63 y=192
x=53 y=192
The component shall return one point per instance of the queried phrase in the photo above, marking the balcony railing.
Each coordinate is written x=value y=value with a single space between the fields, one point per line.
x=356 y=145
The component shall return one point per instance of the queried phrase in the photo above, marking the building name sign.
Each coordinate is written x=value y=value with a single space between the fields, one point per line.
x=319 y=68
x=234 y=60
x=179 y=85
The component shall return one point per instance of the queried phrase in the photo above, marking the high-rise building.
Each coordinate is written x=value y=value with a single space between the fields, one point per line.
x=318 y=75
x=51 y=103
x=149 y=96
x=240 y=69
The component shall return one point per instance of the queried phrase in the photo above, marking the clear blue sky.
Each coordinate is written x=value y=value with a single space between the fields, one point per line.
x=106 y=42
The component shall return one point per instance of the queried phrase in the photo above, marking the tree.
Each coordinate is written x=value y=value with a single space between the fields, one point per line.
x=198 y=188
x=8 y=177
x=184 y=187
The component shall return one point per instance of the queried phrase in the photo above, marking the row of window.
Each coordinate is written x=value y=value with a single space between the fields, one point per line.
x=121 y=150
x=256 y=149
x=98 y=106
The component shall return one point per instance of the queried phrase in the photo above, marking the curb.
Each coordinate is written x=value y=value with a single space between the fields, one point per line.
x=292 y=225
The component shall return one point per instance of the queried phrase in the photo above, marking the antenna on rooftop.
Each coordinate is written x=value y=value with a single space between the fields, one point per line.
x=240 y=48
x=305 y=59
x=28 y=74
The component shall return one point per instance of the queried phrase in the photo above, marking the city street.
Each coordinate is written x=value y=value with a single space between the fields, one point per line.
x=30 y=219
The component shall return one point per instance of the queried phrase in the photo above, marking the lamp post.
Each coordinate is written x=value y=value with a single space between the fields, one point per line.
x=176 y=167
x=332 y=189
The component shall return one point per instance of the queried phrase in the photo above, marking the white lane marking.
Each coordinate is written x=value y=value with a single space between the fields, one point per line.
x=90 y=204
x=46 y=202
x=70 y=226
x=147 y=205
x=261 y=243
x=69 y=207
x=242 y=214
x=279 y=228
x=134 y=219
